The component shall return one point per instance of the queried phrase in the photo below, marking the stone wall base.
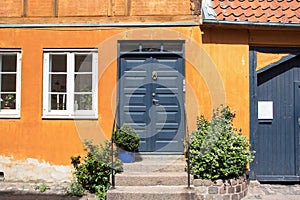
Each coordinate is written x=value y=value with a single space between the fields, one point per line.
x=32 y=170
x=231 y=189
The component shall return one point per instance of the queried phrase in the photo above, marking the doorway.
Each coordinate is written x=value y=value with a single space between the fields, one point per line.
x=151 y=94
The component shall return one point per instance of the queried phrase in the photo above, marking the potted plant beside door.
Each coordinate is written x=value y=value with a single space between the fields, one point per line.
x=128 y=141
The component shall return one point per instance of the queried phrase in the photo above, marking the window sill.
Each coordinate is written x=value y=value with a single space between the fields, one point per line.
x=64 y=117
x=10 y=116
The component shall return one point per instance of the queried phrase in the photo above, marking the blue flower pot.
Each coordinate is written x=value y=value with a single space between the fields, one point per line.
x=126 y=156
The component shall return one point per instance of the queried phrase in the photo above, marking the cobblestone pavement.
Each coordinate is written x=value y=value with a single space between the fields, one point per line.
x=30 y=191
x=274 y=192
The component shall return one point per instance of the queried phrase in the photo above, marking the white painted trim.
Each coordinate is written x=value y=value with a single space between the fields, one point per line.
x=13 y=113
x=70 y=112
x=77 y=51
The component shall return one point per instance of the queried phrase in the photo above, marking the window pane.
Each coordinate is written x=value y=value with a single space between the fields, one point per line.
x=171 y=47
x=58 y=82
x=129 y=46
x=58 y=63
x=9 y=63
x=83 y=63
x=83 y=101
x=8 y=101
x=8 y=82
x=83 y=83
x=151 y=47
x=58 y=101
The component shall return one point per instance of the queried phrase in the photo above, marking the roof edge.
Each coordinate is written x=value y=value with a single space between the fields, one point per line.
x=250 y=23
x=121 y=24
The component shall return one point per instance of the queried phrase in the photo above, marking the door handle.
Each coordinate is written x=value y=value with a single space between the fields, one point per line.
x=155 y=101
x=298 y=121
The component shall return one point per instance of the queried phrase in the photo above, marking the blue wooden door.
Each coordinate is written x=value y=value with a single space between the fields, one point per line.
x=276 y=138
x=151 y=101
x=297 y=123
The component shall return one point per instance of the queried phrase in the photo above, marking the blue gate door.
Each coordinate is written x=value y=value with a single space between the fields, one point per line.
x=297 y=124
x=276 y=138
x=151 y=101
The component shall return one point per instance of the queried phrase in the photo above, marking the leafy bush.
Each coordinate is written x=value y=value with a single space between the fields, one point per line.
x=127 y=139
x=75 y=189
x=217 y=150
x=103 y=153
x=95 y=169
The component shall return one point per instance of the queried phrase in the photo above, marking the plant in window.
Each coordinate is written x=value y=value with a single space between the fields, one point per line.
x=9 y=101
x=86 y=100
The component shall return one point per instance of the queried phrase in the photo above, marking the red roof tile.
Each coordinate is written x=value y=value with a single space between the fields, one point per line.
x=281 y=11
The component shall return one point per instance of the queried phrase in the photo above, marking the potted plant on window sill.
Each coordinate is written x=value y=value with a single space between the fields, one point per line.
x=128 y=141
x=8 y=101
x=86 y=100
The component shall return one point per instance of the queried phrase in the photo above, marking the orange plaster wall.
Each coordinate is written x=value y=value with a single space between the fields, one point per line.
x=232 y=62
x=54 y=141
x=107 y=98
x=265 y=59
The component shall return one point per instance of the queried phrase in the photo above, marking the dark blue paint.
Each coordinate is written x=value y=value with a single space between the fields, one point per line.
x=161 y=124
x=276 y=141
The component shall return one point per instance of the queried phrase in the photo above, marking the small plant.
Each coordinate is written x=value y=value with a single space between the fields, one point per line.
x=42 y=188
x=9 y=100
x=86 y=100
x=127 y=139
x=75 y=189
x=94 y=170
x=217 y=150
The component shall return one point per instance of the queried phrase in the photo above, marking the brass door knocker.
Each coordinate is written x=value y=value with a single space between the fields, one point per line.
x=154 y=75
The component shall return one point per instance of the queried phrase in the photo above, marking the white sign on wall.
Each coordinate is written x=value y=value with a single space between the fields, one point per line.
x=265 y=110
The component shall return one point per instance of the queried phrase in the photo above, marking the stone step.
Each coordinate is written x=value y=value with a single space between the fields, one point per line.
x=151 y=166
x=156 y=163
x=151 y=179
x=151 y=193
x=147 y=157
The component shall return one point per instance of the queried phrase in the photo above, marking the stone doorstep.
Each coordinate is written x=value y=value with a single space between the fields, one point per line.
x=154 y=167
x=164 y=158
x=151 y=179
x=151 y=193
x=156 y=163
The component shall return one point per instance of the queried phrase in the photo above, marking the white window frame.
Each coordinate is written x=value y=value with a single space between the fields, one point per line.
x=70 y=112
x=13 y=113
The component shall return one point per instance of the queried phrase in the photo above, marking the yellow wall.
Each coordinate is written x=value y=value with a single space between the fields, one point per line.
x=265 y=59
x=230 y=52
x=217 y=71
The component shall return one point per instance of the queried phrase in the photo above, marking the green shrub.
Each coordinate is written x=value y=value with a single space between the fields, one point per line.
x=217 y=150
x=103 y=153
x=75 y=189
x=95 y=169
x=127 y=139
